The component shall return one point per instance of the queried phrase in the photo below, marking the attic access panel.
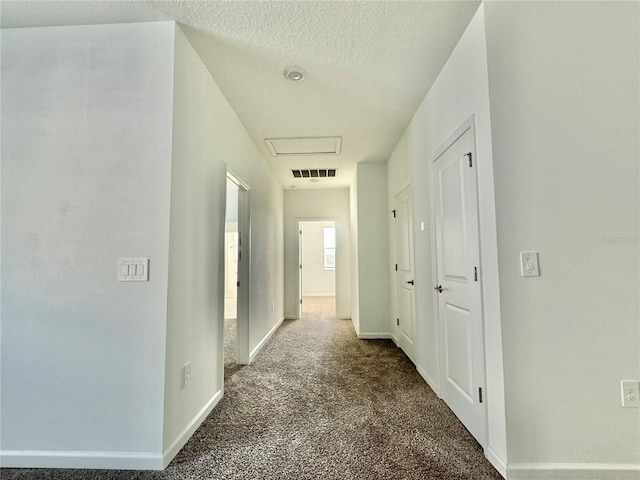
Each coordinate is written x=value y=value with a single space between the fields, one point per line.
x=304 y=146
x=314 y=173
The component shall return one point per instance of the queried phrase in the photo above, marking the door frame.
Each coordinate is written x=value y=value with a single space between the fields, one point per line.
x=243 y=309
x=399 y=341
x=299 y=221
x=468 y=125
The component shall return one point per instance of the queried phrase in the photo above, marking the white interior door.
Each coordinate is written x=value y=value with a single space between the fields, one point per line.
x=458 y=290
x=406 y=319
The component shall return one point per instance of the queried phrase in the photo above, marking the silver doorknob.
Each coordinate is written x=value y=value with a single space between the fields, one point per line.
x=438 y=289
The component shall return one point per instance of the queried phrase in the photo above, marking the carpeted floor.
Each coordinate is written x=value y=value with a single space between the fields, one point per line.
x=318 y=403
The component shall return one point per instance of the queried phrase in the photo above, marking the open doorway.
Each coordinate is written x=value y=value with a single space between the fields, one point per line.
x=230 y=274
x=237 y=260
x=317 y=258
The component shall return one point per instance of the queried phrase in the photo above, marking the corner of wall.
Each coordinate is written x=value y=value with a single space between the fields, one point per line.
x=353 y=225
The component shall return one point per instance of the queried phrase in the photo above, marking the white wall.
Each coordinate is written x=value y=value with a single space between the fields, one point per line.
x=91 y=367
x=232 y=202
x=86 y=164
x=373 y=251
x=461 y=90
x=207 y=137
x=317 y=204
x=315 y=279
x=564 y=88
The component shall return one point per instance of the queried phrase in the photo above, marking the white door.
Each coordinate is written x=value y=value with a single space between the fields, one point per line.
x=458 y=289
x=406 y=319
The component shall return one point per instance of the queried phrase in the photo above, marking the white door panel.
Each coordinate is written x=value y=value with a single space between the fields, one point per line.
x=405 y=311
x=458 y=342
x=457 y=263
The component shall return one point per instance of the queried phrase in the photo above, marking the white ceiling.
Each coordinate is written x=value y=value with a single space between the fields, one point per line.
x=368 y=64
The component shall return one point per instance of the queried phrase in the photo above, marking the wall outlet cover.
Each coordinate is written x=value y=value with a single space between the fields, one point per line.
x=630 y=393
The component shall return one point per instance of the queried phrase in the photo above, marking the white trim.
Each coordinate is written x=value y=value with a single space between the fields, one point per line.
x=573 y=471
x=356 y=328
x=190 y=429
x=319 y=294
x=255 y=351
x=432 y=384
x=498 y=463
x=375 y=336
x=80 y=459
x=291 y=317
x=395 y=340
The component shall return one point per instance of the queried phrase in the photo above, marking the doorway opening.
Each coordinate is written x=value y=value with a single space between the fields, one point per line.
x=317 y=260
x=230 y=274
x=237 y=260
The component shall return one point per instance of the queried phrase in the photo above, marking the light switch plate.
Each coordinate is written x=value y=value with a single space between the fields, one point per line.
x=133 y=270
x=529 y=264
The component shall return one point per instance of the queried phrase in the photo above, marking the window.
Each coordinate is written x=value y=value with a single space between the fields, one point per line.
x=329 y=248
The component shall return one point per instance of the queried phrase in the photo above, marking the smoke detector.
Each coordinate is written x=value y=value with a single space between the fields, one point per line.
x=294 y=74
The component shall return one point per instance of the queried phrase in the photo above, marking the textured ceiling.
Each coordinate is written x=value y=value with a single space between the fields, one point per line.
x=368 y=64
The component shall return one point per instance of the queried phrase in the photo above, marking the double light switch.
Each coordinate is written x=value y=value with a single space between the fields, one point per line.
x=133 y=270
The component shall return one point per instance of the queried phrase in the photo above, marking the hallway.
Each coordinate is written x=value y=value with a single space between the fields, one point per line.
x=318 y=403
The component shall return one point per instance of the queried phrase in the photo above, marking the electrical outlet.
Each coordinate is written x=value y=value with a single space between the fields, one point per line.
x=630 y=393
x=186 y=374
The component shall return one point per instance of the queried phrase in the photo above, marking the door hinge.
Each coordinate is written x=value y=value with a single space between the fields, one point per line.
x=300 y=266
x=394 y=212
x=475 y=274
x=480 y=394
x=468 y=154
x=300 y=232
x=396 y=267
x=237 y=284
x=397 y=321
x=300 y=301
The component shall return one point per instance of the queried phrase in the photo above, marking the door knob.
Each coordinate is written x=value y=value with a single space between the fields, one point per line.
x=438 y=289
x=410 y=282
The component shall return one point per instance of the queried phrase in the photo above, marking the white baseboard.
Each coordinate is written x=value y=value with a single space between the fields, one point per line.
x=430 y=381
x=496 y=460
x=189 y=430
x=255 y=351
x=375 y=336
x=290 y=317
x=572 y=471
x=80 y=459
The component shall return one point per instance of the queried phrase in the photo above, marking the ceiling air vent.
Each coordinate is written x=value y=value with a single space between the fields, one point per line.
x=304 y=146
x=314 y=173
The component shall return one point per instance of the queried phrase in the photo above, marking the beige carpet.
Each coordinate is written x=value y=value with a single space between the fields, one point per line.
x=318 y=403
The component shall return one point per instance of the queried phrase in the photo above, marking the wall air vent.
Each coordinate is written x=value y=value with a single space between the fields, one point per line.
x=314 y=173
x=304 y=146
